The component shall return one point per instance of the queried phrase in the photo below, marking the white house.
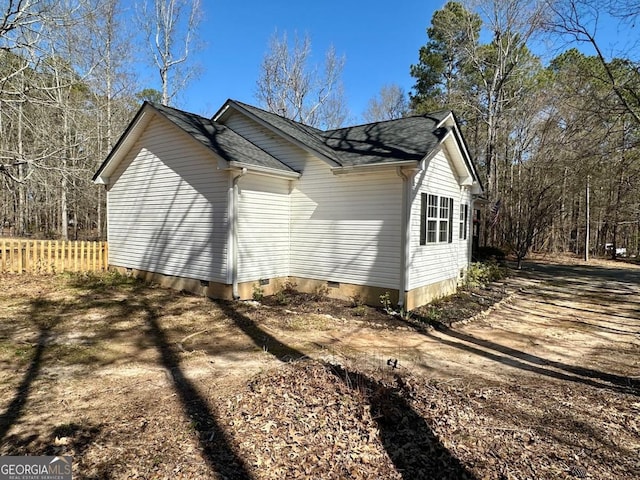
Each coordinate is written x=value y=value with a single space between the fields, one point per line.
x=249 y=199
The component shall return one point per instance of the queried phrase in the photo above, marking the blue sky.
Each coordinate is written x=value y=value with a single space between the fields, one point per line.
x=379 y=39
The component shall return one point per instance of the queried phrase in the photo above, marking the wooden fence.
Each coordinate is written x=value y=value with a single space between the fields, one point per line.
x=52 y=256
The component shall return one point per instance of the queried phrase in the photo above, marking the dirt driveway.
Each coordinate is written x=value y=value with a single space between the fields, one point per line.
x=558 y=321
x=576 y=323
x=140 y=382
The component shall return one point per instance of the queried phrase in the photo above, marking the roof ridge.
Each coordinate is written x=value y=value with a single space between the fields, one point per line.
x=390 y=120
x=312 y=137
x=290 y=120
x=160 y=107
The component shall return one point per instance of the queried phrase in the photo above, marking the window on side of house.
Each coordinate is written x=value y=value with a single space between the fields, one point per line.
x=428 y=218
x=432 y=218
x=436 y=219
x=464 y=220
x=446 y=212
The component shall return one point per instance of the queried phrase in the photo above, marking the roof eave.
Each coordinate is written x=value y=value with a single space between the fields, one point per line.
x=448 y=120
x=123 y=145
x=373 y=167
x=221 y=111
x=262 y=170
x=452 y=122
x=466 y=175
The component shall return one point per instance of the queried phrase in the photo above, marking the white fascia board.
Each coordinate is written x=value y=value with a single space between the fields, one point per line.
x=376 y=167
x=266 y=171
x=447 y=121
x=220 y=113
x=450 y=121
x=456 y=156
x=124 y=144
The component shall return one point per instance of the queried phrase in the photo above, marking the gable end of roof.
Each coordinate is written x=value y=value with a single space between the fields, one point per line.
x=303 y=136
x=219 y=139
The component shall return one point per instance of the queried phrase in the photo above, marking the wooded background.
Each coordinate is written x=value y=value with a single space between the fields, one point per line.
x=542 y=130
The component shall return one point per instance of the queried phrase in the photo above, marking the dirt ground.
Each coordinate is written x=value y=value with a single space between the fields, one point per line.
x=136 y=381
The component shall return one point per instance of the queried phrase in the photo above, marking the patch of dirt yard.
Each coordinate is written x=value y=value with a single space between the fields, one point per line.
x=136 y=381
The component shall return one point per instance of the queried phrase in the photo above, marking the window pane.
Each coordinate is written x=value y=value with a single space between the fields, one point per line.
x=433 y=206
x=444 y=231
x=444 y=207
x=431 y=231
x=465 y=219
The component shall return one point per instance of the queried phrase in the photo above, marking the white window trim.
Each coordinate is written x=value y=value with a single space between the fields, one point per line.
x=464 y=221
x=443 y=205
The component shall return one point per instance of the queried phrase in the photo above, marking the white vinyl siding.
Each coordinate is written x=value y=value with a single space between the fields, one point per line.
x=432 y=262
x=168 y=213
x=168 y=207
x=344 y=228
x=263 y=228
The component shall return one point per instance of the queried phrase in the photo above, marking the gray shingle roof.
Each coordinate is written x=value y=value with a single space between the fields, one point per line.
x=221 y=139
x=312 y=137
x=410 y=138
x=404 y=139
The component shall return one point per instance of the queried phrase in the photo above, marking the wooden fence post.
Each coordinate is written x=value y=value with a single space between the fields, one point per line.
x=47 y=256
x=49 y=259
x=20 y=265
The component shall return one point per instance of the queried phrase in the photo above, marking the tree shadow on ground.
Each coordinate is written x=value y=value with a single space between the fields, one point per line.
x=213 y=440
x=567 y=318
x=258 y=335
x=106 y=292
x=44 y=315
x=15 y=409
x=533 y=363
x=567 y=278
x=587 y=273
x=411 y=444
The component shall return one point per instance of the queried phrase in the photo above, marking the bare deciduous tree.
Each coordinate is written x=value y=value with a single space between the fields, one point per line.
x=292 y=87
x=389 y=104
x=20 y=22
x=170 y=27
x=59 y=78
x=578 y=20
x=497 y=65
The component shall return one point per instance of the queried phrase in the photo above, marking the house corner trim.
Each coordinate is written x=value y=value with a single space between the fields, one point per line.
x=407 y=176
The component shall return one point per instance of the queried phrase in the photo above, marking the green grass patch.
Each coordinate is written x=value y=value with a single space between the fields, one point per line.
x=17 y=354
x=101 y=281
x=72 y=354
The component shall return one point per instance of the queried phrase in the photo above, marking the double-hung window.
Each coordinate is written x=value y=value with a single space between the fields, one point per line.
x=464 y=221
x=436 y=222
x=432 y=218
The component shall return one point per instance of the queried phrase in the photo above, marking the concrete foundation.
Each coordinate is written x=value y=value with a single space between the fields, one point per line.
x=423 y=295
x=343 y=291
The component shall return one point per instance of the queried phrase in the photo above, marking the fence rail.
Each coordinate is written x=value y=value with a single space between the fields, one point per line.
x=52 y=256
